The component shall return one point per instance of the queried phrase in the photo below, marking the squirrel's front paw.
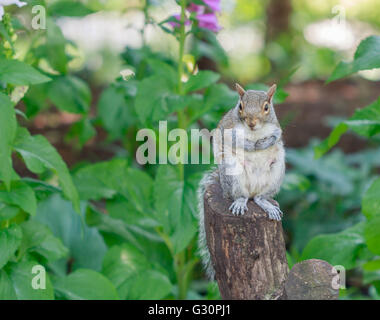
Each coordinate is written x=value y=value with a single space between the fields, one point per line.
x=239 y=206
x=274 y=213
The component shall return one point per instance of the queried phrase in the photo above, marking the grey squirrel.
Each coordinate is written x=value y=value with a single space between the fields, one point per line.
x=251 y=160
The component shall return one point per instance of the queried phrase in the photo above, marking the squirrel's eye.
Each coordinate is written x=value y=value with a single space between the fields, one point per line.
x=266 y=107
x=240 y=106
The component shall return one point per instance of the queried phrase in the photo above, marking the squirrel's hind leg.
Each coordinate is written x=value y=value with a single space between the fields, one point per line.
x=239 y=206
x=273 y=211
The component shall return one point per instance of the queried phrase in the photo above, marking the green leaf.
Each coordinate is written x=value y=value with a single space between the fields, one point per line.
x=210 y=47
x=20 y=195
x=51 y=248
x=371 y=200
x=151 y=94
x=115 y=109
x=153 y=91
x=39 y=239
x=101 y=180
x=21 y=275
x=68 y=8
x=105 y=223
x=168 y=196
x=54 y=48
x=126 y=267
x=372 y=234
x=149 y=285
x=8 y=212
x=121 y=263
x=170 y=104
x=218 y=97
x=8 y=127
x=163 y=70
x=39 y=154
x=136 y=230
x=41 y=189
x=70 y=94
x=372 y=265
x=86 y=245
x=173 y=201
x=187 y=226
x=106 y=179
x=339 y=248
x=121 y=208
x=82 y=130
x=19 y=73
x=295 y=181
x=10 y=240
x=331 y=141
x=366 y=57
x=85 y=284
x=332 y=171
x=201 y=80
x=7 y=292
x=36 y=99
x=365 y=122
x=139 y=193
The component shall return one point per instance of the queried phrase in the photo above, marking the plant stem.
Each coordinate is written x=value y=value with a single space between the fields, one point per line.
x=181 y=113
x=180 y=259
x=182 y=38
x=146 y=18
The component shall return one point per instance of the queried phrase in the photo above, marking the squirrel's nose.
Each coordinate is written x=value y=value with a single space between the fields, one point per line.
x=252 y=124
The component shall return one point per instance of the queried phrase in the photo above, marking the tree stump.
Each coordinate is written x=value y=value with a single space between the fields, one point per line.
x=249 y=256
x=247 y=252
x=312 y=279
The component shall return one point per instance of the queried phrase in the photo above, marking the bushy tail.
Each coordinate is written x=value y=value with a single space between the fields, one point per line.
x=209 y=178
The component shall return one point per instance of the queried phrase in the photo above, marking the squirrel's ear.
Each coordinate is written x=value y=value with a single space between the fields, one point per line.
x=240 y=90
x=271 y=91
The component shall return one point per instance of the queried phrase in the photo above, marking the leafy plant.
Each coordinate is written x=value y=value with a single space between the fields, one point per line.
x=357 y=246
x=37 y=225
x=108 y=230
x=117 y=229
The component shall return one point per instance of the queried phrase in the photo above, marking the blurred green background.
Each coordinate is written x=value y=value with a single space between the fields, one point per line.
x=135 y=236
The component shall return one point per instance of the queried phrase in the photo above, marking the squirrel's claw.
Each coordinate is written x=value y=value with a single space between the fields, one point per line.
x=239 y=206
x=274 y=212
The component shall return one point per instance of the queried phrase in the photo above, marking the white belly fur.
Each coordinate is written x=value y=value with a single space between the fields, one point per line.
x=263 y=170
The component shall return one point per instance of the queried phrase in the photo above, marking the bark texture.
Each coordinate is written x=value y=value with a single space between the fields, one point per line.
x=312 y=279
x=247 y=252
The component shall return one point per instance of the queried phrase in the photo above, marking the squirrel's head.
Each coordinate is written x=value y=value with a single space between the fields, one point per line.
x=255 y=108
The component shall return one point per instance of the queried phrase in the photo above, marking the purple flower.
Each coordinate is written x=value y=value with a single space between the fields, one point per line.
x=196 y=8
x=178 y=18
x=205 y=20
x=214 y=5
x=208 y=21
